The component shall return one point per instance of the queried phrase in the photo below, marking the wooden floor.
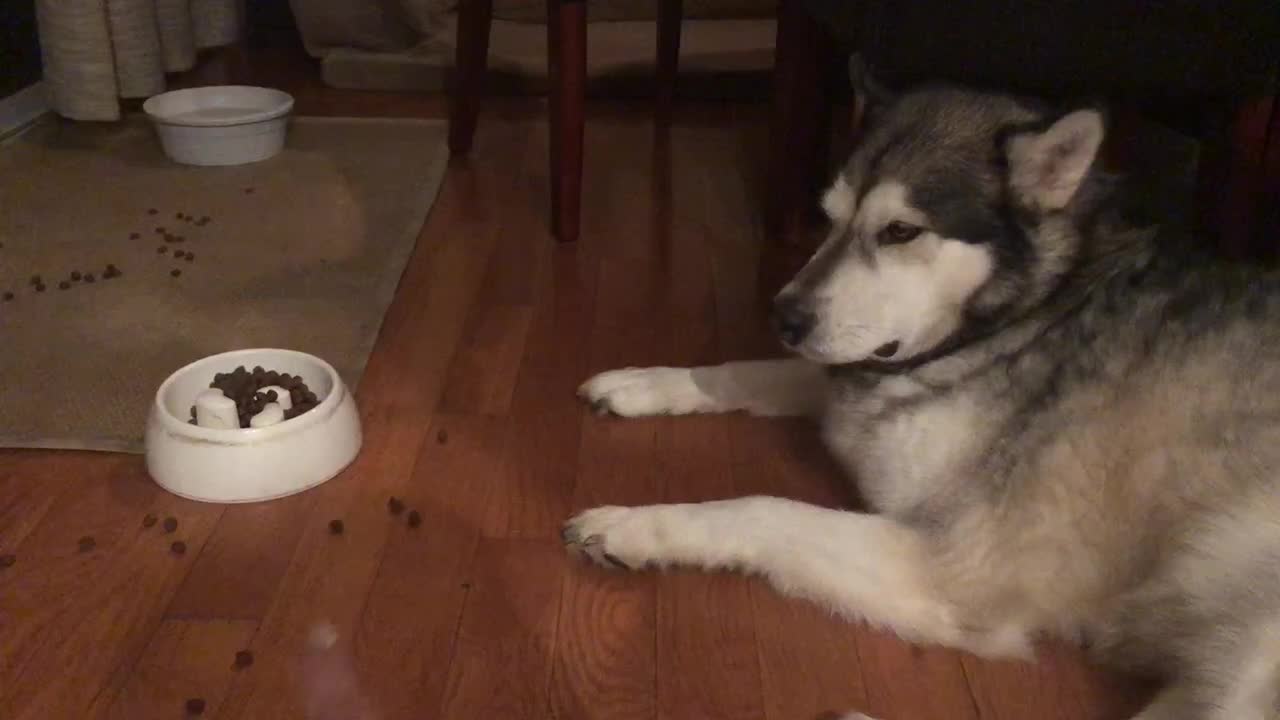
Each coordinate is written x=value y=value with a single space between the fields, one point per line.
x=470 y=416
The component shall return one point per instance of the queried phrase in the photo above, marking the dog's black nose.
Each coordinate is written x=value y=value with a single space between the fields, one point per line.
x=792 y=320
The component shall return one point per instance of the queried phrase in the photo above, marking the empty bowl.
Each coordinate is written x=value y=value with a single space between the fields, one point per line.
x=247 y=465
x=220 y=124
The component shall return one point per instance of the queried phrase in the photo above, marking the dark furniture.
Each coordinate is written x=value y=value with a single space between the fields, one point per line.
x=567 y=63
x=1209 y=66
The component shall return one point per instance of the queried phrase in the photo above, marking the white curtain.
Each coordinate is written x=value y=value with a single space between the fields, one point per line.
x=98 y=51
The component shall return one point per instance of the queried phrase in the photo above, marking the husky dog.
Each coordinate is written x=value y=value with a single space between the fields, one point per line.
x=1066 y=423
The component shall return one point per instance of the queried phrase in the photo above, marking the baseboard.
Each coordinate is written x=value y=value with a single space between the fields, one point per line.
x=22 y=108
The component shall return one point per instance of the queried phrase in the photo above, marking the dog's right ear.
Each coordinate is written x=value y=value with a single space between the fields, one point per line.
x=869 y=91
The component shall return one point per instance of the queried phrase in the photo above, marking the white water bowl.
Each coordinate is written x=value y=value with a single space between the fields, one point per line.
x=248 y=465
x=220 y=124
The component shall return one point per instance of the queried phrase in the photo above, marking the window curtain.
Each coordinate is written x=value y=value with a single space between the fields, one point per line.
x=96 y=52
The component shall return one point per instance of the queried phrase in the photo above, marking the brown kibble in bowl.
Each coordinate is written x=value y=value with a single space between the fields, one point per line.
x=39 y=287
x=64 y=285
x=175 y=272
x=134 y=236
x=75 y=275
x=191 y=256
x=152 y=211
x=7 y=296
x=88 y=277
x=170 y=524
x=162 y=249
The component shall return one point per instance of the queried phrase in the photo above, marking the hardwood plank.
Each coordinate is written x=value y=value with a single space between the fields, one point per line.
x=1057 y=686
x=605 y=665
x=503 y=659
x=30 y=484
x=329 y=579
x=408 y=627
x=704 y=620
x=185 y=659
x=262 y=536
x=906 y=681
x=72 y=621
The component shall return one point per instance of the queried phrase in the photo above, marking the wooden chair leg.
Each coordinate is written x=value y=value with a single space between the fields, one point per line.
x=470 y=64
x=1233 y=181
x=670 y=16
x=567 y=62
x=1269 y=215
x=800 y=114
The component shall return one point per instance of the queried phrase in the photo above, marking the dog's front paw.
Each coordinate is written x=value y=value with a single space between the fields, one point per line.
x=636 y=392
x=617 y=537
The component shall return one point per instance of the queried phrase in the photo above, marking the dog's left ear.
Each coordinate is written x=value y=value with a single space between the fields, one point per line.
x=1047 y=168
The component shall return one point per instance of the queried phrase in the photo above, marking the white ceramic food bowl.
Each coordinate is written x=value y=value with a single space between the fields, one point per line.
x=220 y=124
x=233 y=466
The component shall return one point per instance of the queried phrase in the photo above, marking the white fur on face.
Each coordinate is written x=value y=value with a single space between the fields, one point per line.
x=912 y=293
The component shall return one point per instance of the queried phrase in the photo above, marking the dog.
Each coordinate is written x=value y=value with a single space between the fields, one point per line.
x=1065 y=419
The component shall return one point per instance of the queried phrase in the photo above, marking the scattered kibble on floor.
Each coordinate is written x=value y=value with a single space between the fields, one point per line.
x=244 y=658
x=149 y=520
x=170 y=524
x=415 y=518
x=395 y=505
x=178 y=547
x=195 y=706
x=7 y=560
x=87 y=543
x=336 y=527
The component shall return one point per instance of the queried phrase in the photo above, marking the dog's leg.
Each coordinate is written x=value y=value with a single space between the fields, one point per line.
x=762 y=387
x=863 y=566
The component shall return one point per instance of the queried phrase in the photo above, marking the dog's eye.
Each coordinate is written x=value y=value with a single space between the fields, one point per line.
x=898 y=232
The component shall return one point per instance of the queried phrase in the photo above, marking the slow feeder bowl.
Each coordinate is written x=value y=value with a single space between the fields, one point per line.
x=220 y=124
x=252 y=464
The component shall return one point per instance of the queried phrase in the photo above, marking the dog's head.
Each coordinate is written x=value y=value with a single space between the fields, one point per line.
x=955 y=211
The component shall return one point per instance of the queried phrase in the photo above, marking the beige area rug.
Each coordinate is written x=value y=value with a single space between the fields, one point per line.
x=301 y=251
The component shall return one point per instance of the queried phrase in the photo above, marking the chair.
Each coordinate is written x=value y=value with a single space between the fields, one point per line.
x=567 y=63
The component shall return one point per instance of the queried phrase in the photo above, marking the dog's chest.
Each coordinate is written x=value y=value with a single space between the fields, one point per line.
x=905 y=443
